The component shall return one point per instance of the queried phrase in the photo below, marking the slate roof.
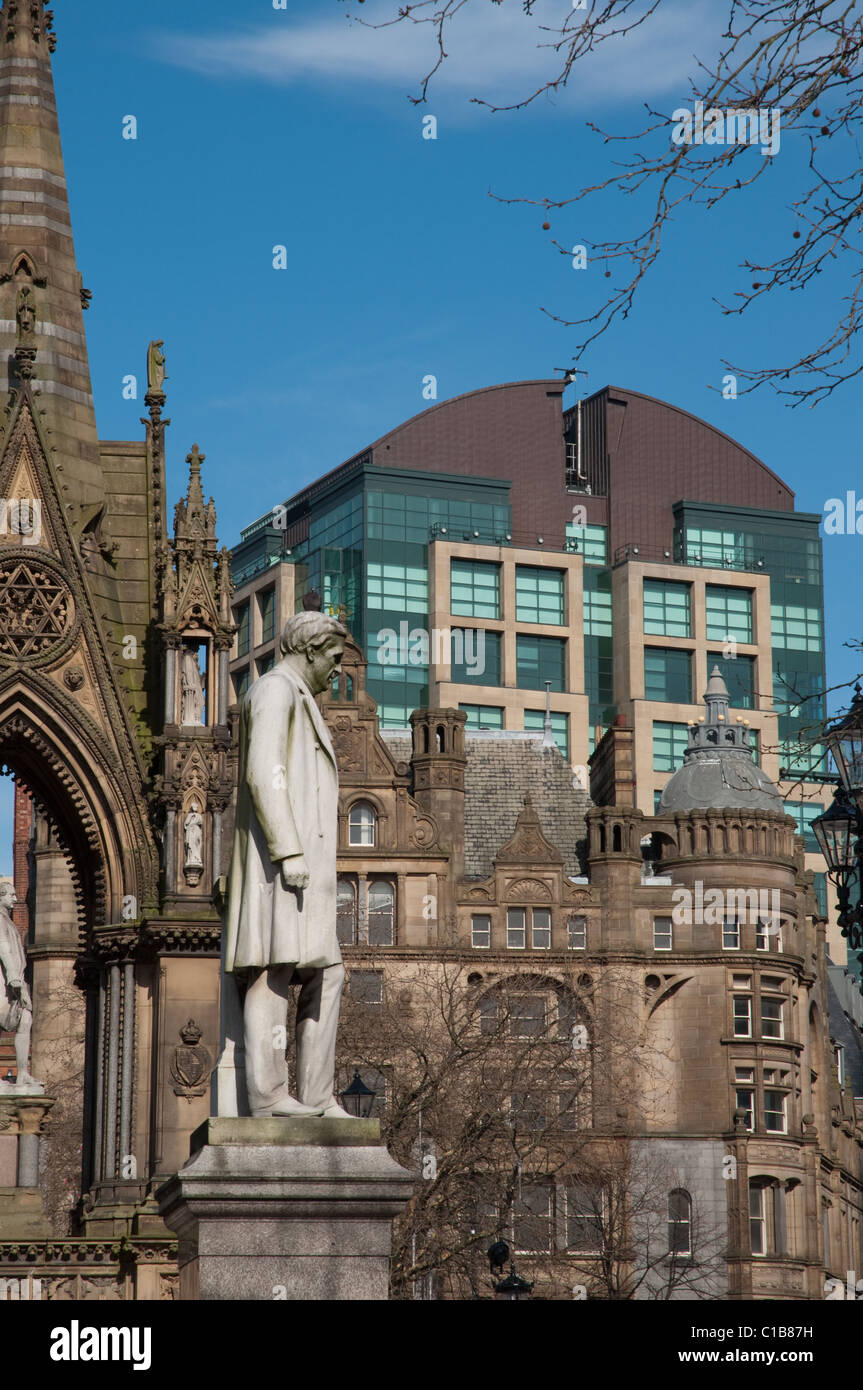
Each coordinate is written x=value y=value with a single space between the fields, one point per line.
x=501 y=767
x=845 y=1013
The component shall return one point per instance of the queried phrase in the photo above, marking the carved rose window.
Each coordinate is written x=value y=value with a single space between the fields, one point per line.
x=36 y=609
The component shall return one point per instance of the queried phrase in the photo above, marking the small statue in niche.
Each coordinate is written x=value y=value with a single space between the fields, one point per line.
x=193 y=840
x=192 y=689
x=26 y=314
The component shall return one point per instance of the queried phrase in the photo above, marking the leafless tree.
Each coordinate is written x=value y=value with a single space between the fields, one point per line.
x=798 y=57
x=506 y=1094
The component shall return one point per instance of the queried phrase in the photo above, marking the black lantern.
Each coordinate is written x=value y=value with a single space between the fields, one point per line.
x=845 y=741
x=839 y=832
x=357 y=1099
x=513 y=1287
x=834 y=831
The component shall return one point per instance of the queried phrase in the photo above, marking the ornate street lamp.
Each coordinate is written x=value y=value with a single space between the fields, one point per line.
x=845 y=741
x=357 y=1099
x=839 y=832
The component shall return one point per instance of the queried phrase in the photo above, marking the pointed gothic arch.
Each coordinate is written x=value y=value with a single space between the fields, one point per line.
x=62 y=762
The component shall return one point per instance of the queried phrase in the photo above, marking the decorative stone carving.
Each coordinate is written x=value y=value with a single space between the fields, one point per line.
x=37 y=608
x=528 y=842
x=529 y=890
x=73 y=679
x=191 y=1063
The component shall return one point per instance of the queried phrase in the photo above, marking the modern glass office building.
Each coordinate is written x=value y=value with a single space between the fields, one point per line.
x=501 y=554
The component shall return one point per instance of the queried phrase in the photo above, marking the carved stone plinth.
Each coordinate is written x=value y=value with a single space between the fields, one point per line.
x=285 y=1209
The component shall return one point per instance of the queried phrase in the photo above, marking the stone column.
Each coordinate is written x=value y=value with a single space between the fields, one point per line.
x=296 y=1209
x=170 y=865
x=110 y=1167
x=217 y=845
x=224 y=700
x=362 y=910
x=401 y=911
x=127 y=1064
x=99 y=1079
x=170 y=686
x=21 y=1213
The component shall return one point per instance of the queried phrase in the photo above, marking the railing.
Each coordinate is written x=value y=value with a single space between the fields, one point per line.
x=522 y=540
x=663 y=555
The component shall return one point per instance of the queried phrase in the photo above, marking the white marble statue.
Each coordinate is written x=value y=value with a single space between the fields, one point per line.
x=16 y=1006
x=193 y=832
x=281 y=916
x=192 y=690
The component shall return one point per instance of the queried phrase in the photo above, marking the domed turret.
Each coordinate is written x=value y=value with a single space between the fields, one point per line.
x=718 y=772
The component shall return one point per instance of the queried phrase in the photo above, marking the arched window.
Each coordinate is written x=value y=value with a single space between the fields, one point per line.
x=346 y=912
x=382 y=903
x=361 y=824
x=679 y=1222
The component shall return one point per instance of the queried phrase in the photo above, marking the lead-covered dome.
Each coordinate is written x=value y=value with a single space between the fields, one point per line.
x=718 y=771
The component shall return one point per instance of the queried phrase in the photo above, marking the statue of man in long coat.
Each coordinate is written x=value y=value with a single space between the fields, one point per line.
x=281 y=916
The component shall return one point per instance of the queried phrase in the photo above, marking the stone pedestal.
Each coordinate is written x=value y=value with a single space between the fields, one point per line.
x=293 y=1209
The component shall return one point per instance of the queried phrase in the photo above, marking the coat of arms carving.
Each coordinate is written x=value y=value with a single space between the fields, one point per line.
x=191 y=1064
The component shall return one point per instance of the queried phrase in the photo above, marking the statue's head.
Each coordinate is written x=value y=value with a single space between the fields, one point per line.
x=8 y=896
x=317 y=644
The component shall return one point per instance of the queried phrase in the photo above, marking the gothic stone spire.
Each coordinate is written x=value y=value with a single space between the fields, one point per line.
x=41 y=295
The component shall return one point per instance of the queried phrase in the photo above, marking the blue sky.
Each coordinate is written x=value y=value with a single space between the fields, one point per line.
x=259 y=127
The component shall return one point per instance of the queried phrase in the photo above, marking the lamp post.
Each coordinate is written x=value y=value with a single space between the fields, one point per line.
x=357 y=1099
x=839 y=831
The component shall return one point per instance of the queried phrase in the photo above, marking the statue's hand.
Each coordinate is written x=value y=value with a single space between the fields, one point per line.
x=295 y=873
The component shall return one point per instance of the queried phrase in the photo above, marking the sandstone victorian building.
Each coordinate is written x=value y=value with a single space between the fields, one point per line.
x=677 y=1093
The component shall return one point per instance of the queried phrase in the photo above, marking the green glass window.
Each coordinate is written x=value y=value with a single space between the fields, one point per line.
x=670 y=742
x=242 y=681
x=739 y=675
x=714 y=549
x=667 y=675
x=597 y=614
x=266 y=664
x=729 y=613
x=267 y=601
x=474 y=589
x=589 y=541
x=798 y=629
x=805 y=812
x=483 y=716
x=397 y=588
x=539 y=596
x=534 y=721
x=799 y=757
x=243 y=617
x=666 y=608
x=540 y=659
x=476 y=656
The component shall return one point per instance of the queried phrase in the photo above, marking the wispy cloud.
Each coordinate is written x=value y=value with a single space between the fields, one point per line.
x=497 y=52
